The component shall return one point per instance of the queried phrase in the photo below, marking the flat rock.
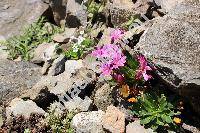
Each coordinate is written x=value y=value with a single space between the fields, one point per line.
x=135 y=127
x=114 y=120
x=78 y=104
x=173 y=43
x=15 y=14
x=58 y=66
x=88 y=122
x=103 y=97
x=19 y=107
x=16 y=77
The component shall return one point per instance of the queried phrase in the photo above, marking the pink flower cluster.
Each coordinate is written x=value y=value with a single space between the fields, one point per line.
x=111 y=57
x=116 y=34
x=143 y=68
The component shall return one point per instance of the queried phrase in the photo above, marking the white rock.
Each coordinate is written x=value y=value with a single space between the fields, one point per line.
x=25 y=108
x=88 y=122
x=135 y=127
x=72 y=65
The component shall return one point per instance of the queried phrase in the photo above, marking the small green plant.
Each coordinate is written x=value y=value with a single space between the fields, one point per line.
x=27 y=130
x=35 y=34
x=94 y=8
x=154 y=111
x=78 y=49
x=60 y=123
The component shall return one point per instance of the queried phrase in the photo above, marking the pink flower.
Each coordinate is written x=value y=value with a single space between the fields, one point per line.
x=142 y=72
x=118 y=77
x=111 y=56
x=116 y=34
x=106 y=69
x=118 y=61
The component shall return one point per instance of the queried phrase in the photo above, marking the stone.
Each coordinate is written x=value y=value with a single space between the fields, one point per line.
x=76 y=14
x=19 y=107
x=135 y=127
x=58 y=66
x=173 y=43
x=59 y=10
x=88 y=122
x=72 y=65
x=16 y=77
x=122 y=11
x=65 y=36
x=44 y=52
x=114 y=120
x=1 y=116
x=58 y=86
x=78 y=104
x=103 y=97
x=168 y=5
x=4 y=54
x=15 y=14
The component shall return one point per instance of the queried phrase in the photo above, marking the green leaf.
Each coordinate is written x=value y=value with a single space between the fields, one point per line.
x=166 y=118
x=146 y=120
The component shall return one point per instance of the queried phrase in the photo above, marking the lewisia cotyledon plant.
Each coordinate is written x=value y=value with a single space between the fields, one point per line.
x=143 y=68
x=111 y=57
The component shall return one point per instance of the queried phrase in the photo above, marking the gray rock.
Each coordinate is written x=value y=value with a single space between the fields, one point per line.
x=44 y=52
x=88 y=122
x=103 y=97
x=78 y=104
x=3 y=52
x=173 y=42
x=76 y=14
x=59 y=10
x=16 y=77
x=122 y=11
x=65 y=36
x=135 y=127
x=1 y=116
x=19 y=107
x=61 y=84
x=15 y=14
x=168 y=5
x=72 y=65
x=58 y=66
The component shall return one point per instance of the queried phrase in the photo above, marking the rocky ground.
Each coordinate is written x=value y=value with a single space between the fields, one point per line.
x=39 y=95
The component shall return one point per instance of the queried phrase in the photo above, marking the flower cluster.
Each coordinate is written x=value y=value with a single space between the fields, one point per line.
x=111 y=56
x=116 y=34
x=143 y=68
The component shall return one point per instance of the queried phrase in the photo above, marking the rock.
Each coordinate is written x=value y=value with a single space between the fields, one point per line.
x=72 y=65
x=190 y=128
x=114 y=120
x=19 y=107
x=135 y=127
x=3 y=52
x=122 y=11
x=65 y=36
x=58 y=66
x=1 y=116
x=78 y=104
x=88 y=122
x=76 y=14
x=16 y=77
x=15 y=14
x=167 y=5
x=103 y=97
x=44 y=52
x=61 y=85
x=173 y=42
x=59 y=10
